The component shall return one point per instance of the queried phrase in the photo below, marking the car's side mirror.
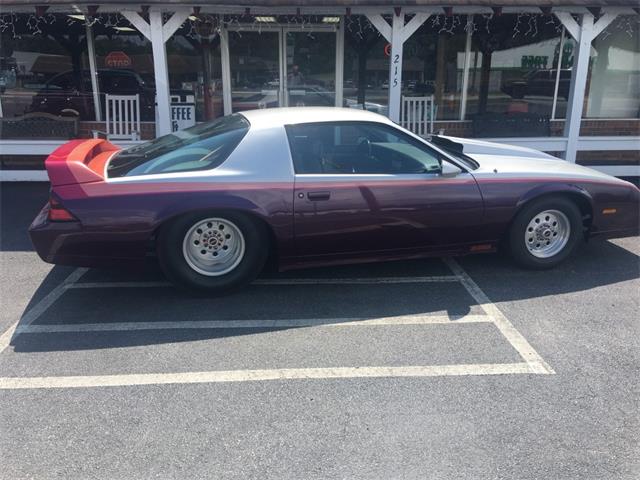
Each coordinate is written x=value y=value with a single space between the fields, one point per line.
x=449 y=170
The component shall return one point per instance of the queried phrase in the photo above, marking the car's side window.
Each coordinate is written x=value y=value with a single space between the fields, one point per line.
x=358 y=148
x=202 y=147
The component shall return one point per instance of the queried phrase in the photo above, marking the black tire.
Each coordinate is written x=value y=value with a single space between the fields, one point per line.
x=518 y=242
x=175 y=266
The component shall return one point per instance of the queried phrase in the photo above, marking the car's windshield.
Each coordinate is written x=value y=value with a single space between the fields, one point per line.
x=202 y=147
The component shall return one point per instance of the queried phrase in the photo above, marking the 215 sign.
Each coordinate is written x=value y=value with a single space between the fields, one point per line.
x=395 y=64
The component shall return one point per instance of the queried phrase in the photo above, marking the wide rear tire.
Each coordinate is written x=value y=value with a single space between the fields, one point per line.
x=545 y=232
x=214 y=251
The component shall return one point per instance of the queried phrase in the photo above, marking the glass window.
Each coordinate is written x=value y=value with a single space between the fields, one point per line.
x=195 y=68
x=514 y=62
x=202 y=147
x=358 y=148
x=310 y=69
x=255 y=69
x=433 y=64
x=366 y=66
x=43 y=66
x=125 y=64
x=613 y=83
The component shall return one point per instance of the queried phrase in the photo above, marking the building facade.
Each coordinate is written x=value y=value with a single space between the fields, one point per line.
x=563 y=77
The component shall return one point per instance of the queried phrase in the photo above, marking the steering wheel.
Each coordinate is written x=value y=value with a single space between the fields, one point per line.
x=364 y=146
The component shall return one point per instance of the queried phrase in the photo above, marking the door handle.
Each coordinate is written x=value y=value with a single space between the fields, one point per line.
x=317 y=196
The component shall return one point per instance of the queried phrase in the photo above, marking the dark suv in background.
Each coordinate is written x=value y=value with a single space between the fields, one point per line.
x=539 y=82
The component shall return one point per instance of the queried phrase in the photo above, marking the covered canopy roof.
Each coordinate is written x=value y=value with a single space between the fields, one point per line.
x=338 y=3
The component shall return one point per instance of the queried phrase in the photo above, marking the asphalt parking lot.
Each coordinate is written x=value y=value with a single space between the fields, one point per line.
x=465 y=368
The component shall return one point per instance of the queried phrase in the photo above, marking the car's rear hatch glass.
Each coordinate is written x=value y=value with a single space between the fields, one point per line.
x=202 y=147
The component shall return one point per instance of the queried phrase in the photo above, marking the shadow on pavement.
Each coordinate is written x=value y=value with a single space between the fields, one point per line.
x=19 y=204
x=597 y=264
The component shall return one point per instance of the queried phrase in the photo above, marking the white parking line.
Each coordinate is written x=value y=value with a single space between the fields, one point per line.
x=507 y=329
x=284 y=281
x=12 y=383
x=39 y=308
x=253 y=324
x=533 y=363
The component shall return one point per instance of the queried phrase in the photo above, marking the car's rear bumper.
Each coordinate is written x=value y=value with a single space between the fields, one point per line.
x=68 y=243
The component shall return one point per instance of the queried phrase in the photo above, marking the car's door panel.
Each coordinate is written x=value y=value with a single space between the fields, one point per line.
x=364 y=187
x=367 y=213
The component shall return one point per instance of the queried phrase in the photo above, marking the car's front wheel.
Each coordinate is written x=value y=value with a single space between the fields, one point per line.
x=214 y=252
x=545 y=233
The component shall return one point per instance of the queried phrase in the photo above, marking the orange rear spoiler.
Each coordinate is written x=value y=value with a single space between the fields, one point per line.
x=79 y=161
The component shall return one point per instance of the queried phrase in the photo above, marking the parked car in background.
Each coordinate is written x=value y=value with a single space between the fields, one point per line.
x=540 y=83
x=71 y=93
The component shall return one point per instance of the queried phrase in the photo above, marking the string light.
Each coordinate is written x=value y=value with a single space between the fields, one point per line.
x=526 y=24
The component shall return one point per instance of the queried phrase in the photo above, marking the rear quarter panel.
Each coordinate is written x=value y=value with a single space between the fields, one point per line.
x=503 y=197
x=120 y=216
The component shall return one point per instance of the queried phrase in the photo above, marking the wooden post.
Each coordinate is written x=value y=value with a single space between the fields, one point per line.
x=93 y=70
x=395 y=66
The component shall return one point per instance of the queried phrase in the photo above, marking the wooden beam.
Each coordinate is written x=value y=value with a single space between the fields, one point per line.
x=138 y=22
x=578 y=87
x=603 y=22
x=381 y=25
x=570 y=24
x=414 y=24
x=174 y=23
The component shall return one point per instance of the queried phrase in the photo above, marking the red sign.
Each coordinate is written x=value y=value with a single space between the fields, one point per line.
x=117 y=60
x=387 y=49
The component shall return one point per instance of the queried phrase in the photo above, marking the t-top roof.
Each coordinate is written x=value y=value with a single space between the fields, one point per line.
x=273 y=117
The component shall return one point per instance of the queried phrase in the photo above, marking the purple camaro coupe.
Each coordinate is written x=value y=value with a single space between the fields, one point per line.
x=316 y=186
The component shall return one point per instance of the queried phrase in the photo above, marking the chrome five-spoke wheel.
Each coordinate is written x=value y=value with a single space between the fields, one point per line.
x=213 y=246
x=547 y=233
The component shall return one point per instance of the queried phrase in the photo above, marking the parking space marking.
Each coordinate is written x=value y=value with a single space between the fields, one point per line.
x=39 y=308
x=533 y=363
x=253 y=324
x=513 y=336
x=13 y=383
x=284 y=281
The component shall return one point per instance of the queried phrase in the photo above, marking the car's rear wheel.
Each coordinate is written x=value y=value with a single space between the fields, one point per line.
x=545 y=232
x=214 y=252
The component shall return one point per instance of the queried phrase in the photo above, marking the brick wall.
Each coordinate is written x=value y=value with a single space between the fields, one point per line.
x=624 y=157
x=588 y=128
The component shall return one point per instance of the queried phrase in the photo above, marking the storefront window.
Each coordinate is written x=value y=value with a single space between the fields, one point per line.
x=282 y=61
x=366 y=66
x=433 y=64
x=514 y=65
x=42 y=67
x=255 y=69
x=195 y=72
x=613 y=84
x=310 y=68
x=124 y=60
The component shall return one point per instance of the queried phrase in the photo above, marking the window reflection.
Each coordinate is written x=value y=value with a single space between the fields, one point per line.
x=613 y=85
